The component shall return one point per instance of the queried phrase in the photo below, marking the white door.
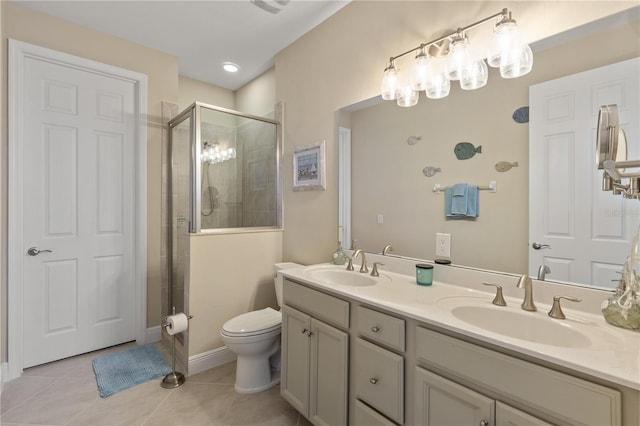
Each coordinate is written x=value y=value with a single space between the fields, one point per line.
x=78 y=186
x=588 y=231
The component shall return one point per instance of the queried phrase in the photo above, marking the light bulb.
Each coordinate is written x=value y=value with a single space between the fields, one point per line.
x=419 y=71
x=438 y=85
x=458 y=58
x=505 y=38
x=407 y=97
x=390 y=82
x=518 y=63
x=475 y=76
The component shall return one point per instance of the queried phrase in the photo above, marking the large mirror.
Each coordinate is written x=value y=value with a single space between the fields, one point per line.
x=399 y=155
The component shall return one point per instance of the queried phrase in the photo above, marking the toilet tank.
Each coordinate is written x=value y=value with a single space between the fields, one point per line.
x=278 y=279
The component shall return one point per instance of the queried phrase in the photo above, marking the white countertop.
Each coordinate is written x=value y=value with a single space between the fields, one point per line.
x=611 y=353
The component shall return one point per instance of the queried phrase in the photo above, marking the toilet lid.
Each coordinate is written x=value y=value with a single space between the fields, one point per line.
x=255 y=322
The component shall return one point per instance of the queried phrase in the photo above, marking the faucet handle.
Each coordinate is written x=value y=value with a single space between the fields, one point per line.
x=499 y=299
x=349 y=263
x=374 y=270
x=556 y=309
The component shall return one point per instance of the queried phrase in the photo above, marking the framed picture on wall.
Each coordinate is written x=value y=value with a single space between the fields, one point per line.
x=309 y=167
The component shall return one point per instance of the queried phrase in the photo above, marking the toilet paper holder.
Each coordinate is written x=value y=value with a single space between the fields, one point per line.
x=175 y=378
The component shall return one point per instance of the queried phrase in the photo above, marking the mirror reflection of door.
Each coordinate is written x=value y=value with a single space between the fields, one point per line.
x=589 y=231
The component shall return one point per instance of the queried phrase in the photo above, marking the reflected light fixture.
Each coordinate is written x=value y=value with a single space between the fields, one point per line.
x=212 y=153
x=433 y=74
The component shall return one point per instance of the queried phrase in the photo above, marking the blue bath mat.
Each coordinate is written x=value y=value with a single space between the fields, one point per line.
x=123 y=370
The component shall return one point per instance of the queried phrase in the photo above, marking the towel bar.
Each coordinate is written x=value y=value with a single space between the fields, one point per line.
x=492 y=187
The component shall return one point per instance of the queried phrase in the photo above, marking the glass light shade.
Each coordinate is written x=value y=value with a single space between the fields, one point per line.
x=458 y=58
x=519 y=62
x=438 y=85
x=419 y=71
x=407 y=97
x=390 y=83
x=505 y=38
x=475 y=76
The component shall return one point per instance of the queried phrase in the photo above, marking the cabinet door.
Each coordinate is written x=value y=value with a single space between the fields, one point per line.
x=329 y=375
x=441 y=402
x=294 y=377
x=509 y=416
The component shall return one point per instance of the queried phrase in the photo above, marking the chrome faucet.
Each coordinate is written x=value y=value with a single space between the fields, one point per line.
x=527 y=304
x=363 y=267
x=543 y=270
x=387 y=249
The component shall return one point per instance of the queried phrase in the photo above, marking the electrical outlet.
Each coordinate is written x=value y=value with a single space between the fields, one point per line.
x=443 y=245
x=380 y=218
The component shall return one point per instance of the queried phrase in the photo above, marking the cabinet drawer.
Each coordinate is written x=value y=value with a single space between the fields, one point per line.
x=317 y=304
x=560 y=395
x=363 y=415
x=381 y=328
x=380 y=379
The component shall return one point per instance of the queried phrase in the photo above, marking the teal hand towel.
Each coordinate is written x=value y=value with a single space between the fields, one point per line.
x=448 y=195
x=473 y=201
x=460 y=199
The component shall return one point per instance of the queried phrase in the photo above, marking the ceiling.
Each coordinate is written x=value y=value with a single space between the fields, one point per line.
x=202 y=34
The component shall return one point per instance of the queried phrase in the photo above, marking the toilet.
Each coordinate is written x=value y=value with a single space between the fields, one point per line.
x=255 y=338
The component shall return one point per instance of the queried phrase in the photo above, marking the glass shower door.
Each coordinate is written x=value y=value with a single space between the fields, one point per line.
x=180 y=135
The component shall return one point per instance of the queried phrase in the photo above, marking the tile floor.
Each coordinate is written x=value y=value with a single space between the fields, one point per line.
x=65 y=393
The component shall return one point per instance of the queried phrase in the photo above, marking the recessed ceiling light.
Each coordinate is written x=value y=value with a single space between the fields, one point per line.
x=230 y=67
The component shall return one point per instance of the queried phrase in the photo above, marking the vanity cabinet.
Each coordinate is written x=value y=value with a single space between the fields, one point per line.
x=315 y=355
x=347 y=361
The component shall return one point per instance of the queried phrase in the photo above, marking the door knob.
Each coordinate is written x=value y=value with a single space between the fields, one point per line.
x=34 y=251
x=538 y=246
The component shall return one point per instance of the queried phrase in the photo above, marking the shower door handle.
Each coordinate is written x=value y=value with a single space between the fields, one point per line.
x=34 y=251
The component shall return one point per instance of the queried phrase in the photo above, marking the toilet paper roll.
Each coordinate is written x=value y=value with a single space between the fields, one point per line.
x=177 y=323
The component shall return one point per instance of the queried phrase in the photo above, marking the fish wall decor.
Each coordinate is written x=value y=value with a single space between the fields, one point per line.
x=430 y=171
x=521 y=115
x=505 y=166
x=466 y=150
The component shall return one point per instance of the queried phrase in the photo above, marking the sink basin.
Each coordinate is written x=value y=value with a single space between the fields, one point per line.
x=529 y=326
x=340 y=276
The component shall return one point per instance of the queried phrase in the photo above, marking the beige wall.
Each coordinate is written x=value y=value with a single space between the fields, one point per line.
x=382 y=159
x=340 y=63
x=229 y=274
x=162 y=70
x=258 y=97
x=190 y=91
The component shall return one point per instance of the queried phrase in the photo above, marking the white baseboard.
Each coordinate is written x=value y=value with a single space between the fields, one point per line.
x=154 y=334
x=210 y=359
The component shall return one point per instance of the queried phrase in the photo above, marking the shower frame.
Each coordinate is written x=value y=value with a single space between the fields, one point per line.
x=194 y=114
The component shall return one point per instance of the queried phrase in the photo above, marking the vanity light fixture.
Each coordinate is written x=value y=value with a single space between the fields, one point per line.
x=433 y=73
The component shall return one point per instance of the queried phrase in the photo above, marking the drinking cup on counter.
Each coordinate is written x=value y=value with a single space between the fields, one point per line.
x=424 y=274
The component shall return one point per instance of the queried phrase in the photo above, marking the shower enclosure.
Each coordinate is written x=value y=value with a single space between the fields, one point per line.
x=224 y=178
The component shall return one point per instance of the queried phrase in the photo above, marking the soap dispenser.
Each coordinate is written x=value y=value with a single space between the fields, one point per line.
x=339 y=256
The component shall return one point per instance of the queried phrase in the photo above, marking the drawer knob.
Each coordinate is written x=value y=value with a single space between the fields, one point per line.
x=484 y=423
x=307 y=332
x=375 y=329
x=373 y=380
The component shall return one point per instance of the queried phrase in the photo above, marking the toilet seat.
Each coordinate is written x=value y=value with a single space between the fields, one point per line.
x=253 y=323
